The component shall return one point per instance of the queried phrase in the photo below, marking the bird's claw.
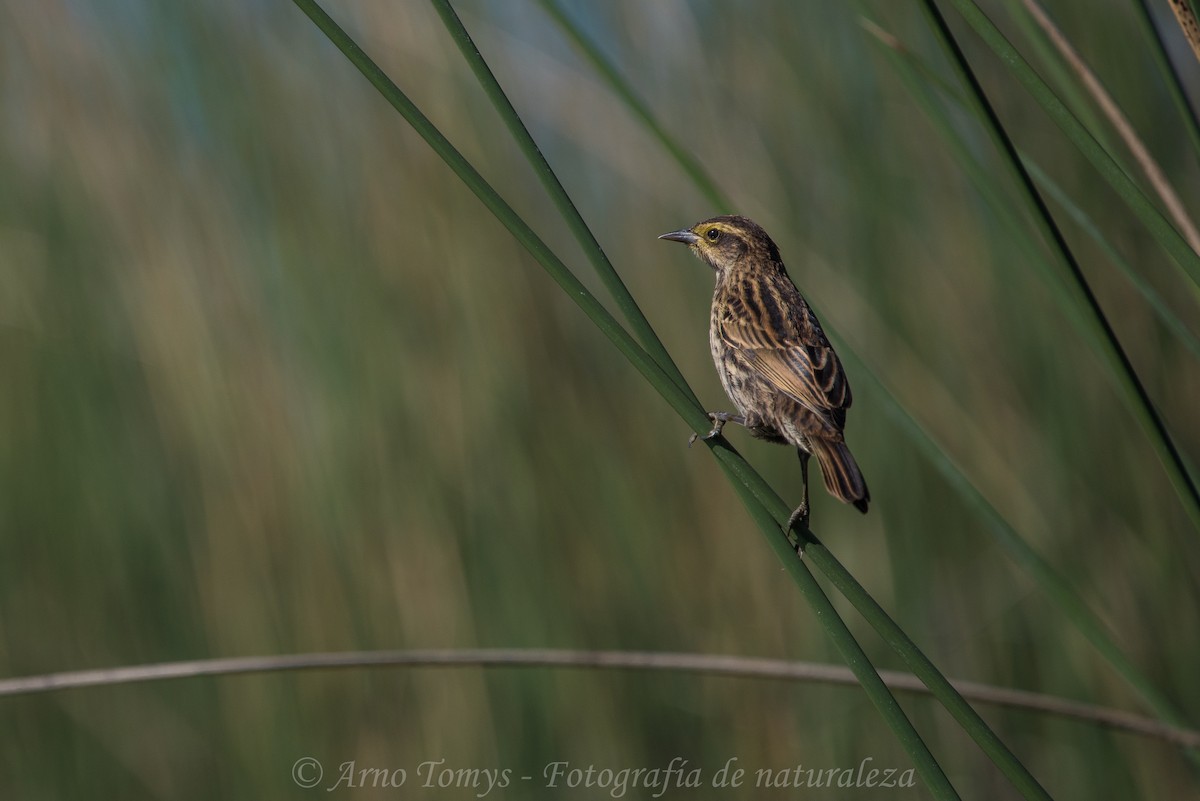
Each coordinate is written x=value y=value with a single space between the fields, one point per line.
x=719 y=420
x=800 y=515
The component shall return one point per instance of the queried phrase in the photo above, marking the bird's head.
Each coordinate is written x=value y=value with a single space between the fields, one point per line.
x=728 y=242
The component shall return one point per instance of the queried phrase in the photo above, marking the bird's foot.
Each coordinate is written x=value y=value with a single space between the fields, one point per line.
x=719 y=420
x=800 y=515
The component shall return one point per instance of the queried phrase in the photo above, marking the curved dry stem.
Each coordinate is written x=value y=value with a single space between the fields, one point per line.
x=1119 y=122
x=733 y=666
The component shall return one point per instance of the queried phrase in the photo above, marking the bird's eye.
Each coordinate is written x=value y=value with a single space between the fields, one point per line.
x=713 y=234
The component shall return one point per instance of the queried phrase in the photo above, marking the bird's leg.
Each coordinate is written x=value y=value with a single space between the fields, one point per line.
x=800 y=515
x=719 y=420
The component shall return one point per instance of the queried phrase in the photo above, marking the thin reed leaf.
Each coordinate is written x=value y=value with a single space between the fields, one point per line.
x=638 y=107
x=1052 y=583
x=851 y=652
x=1089 y=226
x=921 y=666
x=1119 y=122
x=1170 y=75
x=1158 y=226
x=679 y=399
x=1064 y=597
x=1060 y=77
x=918 y=78
x=562 y=201
x=1050 y=580
x=1133 y=389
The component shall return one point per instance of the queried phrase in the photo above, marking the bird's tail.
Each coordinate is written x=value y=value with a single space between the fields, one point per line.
x=843 y=479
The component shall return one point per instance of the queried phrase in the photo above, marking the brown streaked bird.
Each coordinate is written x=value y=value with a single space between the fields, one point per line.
x=772 y=356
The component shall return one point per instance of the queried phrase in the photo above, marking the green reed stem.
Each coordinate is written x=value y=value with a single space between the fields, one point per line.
x=562 y=201
x=1169 y=74
x=640 y=109
x=1142 y=207
x=1053 y=583
x=1135 y=391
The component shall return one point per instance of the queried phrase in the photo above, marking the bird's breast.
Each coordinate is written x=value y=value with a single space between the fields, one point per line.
x=718 y=347
x=735 y=378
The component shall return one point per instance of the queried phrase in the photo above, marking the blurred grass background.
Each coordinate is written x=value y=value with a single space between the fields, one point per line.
x=274 y=381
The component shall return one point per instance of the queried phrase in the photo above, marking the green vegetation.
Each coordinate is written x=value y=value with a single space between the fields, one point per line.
x=275 y=382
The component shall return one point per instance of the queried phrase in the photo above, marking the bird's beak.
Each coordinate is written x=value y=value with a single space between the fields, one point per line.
x=685 y=236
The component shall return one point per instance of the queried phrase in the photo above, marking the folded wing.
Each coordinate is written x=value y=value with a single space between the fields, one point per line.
x=780 y=339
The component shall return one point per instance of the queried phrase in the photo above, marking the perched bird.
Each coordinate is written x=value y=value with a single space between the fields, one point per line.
x=772 y=356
